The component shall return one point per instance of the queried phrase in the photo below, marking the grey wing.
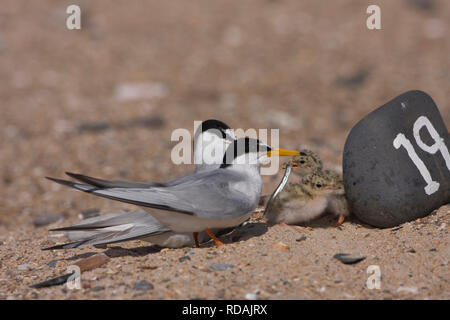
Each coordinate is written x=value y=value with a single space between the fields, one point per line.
x=101 y=183
x=208 y=195
x=112 y=228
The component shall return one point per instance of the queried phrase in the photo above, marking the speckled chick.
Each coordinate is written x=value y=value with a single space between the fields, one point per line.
x=308 y=161
x=302 y=202
x=337 y=202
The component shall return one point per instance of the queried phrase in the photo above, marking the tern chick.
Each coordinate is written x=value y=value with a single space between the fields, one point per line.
x=308 y=161
x=337 y=202
x=305 y=201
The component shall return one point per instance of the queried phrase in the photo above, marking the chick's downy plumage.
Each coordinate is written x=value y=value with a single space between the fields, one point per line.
x=301 y=202
x=337 y=202
x=318 y=192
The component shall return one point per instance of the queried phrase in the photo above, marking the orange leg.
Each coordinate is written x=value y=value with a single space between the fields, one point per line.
x=217 y=241
x=195 y=234
x=340 y=220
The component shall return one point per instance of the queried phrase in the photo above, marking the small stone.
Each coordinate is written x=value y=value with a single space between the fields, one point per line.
x=347 y=258
x=281 y=246
x=93 y=127
x=86 y=285
x=52 y=263
x=144 y=267
x=92 y=262
x=41 y=221
x=302 y=238
x=184 y=258
x=411 y=250
x=98 y=288
x=353 y=80
x=23 y=267
x=221 y=266
x=412 y=290
x=252 y=295
x=143 y=285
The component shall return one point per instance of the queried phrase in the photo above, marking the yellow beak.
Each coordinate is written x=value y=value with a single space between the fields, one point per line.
x=282 y=152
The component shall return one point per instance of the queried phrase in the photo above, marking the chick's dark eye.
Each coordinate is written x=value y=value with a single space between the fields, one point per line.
x=318 y=185
x=302 y=161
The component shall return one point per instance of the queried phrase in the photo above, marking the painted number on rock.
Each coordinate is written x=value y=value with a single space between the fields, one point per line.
x=401 y=140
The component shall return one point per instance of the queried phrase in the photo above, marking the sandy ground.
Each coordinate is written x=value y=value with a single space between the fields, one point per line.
x=312 y=70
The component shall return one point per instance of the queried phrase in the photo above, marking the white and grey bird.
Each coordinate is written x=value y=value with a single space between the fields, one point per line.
x=218 y=198
x=211 y=139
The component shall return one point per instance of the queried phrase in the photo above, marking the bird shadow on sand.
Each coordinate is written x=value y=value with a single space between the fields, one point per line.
x=327 y=221
x=227 y=236
x=141 y=251
x=116 y=251
x=241 y=233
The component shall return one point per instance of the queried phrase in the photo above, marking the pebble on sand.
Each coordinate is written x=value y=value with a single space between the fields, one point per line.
x=412 y=290
x=143 y=285
x=252 y=295
x=281 y=246
x=23 y=267
x=348 y=258
x=92 y=262
x=86 y=264
x=221 y=266
x=184 y=258
x=52 y=263
x=41 y=221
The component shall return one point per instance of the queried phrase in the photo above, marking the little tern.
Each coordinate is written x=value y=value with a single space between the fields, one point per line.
x=211 y=139
x=218 y=198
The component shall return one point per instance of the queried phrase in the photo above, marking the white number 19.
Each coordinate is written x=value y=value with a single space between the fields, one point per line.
x=401 y=140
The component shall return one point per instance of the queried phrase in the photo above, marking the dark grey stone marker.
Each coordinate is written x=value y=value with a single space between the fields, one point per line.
x=396 y=167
